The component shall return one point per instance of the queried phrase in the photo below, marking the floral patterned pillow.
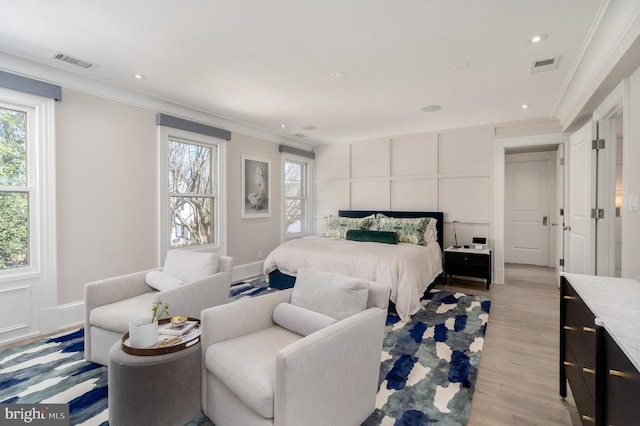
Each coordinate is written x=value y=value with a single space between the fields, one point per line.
x=409 y=230
x=337 y=227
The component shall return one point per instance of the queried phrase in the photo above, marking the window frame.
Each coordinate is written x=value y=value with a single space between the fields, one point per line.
x=30 y=188
x=218 y=189
x=309 y=164
x=40 y=187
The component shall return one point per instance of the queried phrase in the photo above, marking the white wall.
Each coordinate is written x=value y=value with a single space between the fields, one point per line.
x=107 y=194
x=447 y=171
x=247 y=237
x=106 y=191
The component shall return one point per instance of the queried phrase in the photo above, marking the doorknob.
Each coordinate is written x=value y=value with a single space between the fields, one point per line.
x=544 y=221
x=566 y=228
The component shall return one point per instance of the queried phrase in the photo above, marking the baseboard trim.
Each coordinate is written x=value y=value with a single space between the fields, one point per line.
x=71 y=314
x=246 y=271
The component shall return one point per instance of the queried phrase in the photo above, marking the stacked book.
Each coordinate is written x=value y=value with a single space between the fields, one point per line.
x=177 y=330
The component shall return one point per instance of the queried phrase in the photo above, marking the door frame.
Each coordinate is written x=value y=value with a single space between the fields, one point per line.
x=500 y=147
x=617 y=101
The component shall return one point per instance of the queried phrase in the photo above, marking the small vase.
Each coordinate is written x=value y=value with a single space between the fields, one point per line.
x=143 y=333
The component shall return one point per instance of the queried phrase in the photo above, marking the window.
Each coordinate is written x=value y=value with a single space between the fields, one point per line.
x=191 y=190
x=15 y=191
x=28 y=272
x=296 y=200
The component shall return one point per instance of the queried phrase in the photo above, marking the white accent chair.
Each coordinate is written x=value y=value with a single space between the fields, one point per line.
x=190 y=281
x=259 y=368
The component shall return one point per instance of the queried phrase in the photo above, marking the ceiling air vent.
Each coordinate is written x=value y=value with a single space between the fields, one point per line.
x=73 y=61
x=299 y=135
x=543 y=65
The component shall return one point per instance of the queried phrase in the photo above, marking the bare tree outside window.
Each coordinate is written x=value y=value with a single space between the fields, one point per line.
x=191 y=193
x=295 y=197
x=14 y=196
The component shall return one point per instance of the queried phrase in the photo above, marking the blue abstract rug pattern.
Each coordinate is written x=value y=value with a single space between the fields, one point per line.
x=427 y=376
x=429 y=365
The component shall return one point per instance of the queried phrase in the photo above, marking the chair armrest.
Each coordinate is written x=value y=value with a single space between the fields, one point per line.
x=338 y=365
x=115 y=289
x=111 y=290
x=192 y=297
x=239 y=318
x=226 y=264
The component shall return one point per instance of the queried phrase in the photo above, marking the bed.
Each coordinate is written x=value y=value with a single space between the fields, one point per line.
x=410 y=269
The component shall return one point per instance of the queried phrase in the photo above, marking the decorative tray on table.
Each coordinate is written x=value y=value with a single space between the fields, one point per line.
x=170 y=338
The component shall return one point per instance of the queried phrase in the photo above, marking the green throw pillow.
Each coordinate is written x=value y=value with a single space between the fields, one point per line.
x=337 y=227
x=372 y=236
x=409 y=230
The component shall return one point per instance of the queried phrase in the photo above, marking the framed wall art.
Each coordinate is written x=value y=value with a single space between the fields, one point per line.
x=256 y=187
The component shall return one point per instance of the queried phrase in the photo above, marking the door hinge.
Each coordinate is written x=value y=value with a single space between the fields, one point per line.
x=597 y=144
x=597 y=213
x=561 y=212
x=561 y=262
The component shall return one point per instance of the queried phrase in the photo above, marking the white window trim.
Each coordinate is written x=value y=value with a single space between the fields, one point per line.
x=220 y=214
x=42 y=185
x=285 y=156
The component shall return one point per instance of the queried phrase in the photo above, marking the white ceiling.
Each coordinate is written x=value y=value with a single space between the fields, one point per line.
x=268 y=63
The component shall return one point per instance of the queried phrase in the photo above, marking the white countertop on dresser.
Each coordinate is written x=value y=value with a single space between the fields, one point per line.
x=616 y=302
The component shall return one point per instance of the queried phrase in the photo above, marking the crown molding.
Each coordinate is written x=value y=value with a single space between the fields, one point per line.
x=72 y=81
x=606 y=56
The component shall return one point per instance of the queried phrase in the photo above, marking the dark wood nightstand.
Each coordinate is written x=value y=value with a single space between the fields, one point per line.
x=468 y=263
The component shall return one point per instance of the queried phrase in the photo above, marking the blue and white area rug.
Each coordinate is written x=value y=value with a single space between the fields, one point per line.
x=428 y=366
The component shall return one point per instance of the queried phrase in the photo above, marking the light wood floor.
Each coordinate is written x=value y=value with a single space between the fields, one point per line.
x=518 y=376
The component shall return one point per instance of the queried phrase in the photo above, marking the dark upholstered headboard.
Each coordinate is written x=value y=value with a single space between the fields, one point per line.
x=436 y=215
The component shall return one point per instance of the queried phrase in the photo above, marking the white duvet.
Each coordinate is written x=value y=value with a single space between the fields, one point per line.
x=407 y=268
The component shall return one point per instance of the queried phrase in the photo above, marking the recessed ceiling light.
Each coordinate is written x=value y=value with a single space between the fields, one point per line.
x=537 y=38
x=139 y=77
x=525 y=106
x=432 y=108
x=338 y=74
x=462 y=66
x=284 y=126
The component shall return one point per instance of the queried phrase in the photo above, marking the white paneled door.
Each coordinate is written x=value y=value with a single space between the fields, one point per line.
x=527 y=216
x=580 y=228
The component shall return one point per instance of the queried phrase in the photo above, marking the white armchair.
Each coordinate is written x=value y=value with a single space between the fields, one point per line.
x=110 y=304
x=309 y=355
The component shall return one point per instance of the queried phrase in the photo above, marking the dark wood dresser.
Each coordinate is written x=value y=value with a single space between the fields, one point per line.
x=600 y=348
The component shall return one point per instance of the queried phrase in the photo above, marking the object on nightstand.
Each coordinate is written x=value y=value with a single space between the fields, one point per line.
x=479 y=243
x=455 y=235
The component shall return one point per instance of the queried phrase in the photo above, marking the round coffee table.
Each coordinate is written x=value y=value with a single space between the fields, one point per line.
x=154 y=390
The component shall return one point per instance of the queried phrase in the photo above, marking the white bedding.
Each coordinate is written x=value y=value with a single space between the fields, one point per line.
x=407 y=268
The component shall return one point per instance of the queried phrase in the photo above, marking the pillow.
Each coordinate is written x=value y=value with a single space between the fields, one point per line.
x=189 y=265
x=337 y=227
x=372 y=236
x=162 y=281
x=431 y=234
x=335 y=295
x=410 y=230
x=300 y=320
